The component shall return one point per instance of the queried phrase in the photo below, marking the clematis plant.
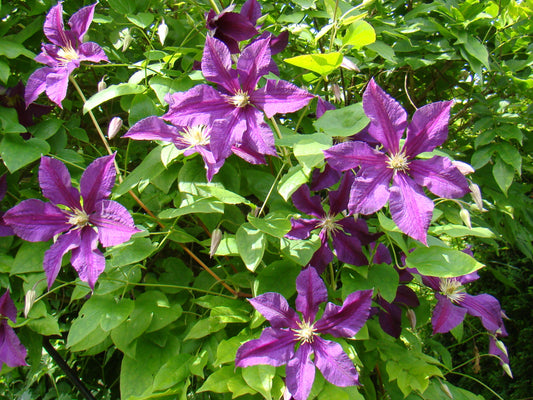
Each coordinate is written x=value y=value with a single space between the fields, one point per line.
x=4 y=229
x=12 y=352
x=347 y=234
x=410 y=208
x=80 y=222
x=64 y=54
x=238 y=101
x=276 y=346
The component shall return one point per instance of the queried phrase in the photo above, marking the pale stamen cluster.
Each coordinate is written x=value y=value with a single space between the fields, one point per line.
x=306 y=332
x=197 y=135
x=240 y=99
x=67 y=54
x=329 y=225
x=452 y=289
x=79 y=218
x=398 y=162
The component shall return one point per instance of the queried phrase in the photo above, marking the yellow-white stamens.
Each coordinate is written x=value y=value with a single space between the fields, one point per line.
x=329 y=225
x=240 y=99
x=398 y=162
x=79 y=218
x=452 y=289
x=306 y=332
x=197 y=135
x=67 y=54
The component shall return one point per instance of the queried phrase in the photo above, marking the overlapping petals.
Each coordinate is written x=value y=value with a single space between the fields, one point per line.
x=276 y=345
x=12 y=352
x=89 y=218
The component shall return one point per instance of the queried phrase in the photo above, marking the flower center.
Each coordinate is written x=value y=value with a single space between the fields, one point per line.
x=79 y=218
x=330 y=225
x=306 y=332
x=452 y=289
x=398 y=162
x=240 y=99
x=197 y=135
x=67 y=54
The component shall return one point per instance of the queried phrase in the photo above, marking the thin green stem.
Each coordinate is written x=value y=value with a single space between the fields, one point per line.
x=271 y=190
x=478 y=381
x=215 y=7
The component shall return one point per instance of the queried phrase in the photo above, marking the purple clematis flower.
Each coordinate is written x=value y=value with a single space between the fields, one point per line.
x=80 y=222
x=411 y=210
x=64 y=54
x=276 y=344
x=12 y=352
x=13 y=97
x=239 y=102
x=453 y=303
x=194 y=139
x=4 y=229
x=347 y=234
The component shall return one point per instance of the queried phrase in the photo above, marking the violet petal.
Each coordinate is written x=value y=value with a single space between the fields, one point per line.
x=275 y=347
x=302 y=228
x=280 y=97
x=56 y=185
x=86 y=259
x=440 y=176
x=334 y=363
x=487 y=308
x=311 y=292
x=370 y=191
x=253 y=63
x=446 y=315
x=54 y=255
x=274 y=307
x=12 y=352
x=97 y=181
x=311 y=205
x=300 y=373
x=7 y=307
x=350 y=155
x=216 y=65
x=114 y=222
x=36 y=84
x=152 y=128
x=80 y=21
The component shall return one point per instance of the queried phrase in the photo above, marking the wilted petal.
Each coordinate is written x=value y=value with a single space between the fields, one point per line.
x=7 y=307
x=311 y=292
x=253 y=63
x=97 y=181
x=216 y=65
x=92 y=52
x=302 y=228
x=54 y=255
x=275 y=347
x=410 y=209
x=311 y=205
x=300 y=373
x=440 y=176
x=86 y=259
x=57 y=83
x=56 y=185
x=53 y=26
x=495 y=350
x=370 y=191
x=388 y=118
x=487 y=308
x=280 y=97
x=446 y=315
x=152 y=128
x=428 y=128
x=350 y=155
x=346 y=320
x=334 y=363
x=36 y=84
x=276 y=310
x=12 y=352
x=79 y=21
x=36 y=221
x=114 y=222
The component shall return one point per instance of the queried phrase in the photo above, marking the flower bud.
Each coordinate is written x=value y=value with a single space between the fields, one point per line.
x=114 y=127
x=216 y=237
x=475 y=192
x=102 y=85
x=336 y=92
x=463 y=167
x=411 y=316
x=465 y=216
x=126 y=40
x=162 y=32
x=29 y=300
x=446 y=389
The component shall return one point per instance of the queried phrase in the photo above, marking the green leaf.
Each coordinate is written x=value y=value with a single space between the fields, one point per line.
x=360 y=33
x=114 y=313
x=155 y=303
x=227 y=349
x=384 y=50
x=113 y=91
x=131 y=252
x=4 y=72
x=205 y=327
x=12 y=49
x=322 y=64
x=225 y=196
x=259 y=378
x=251 y=243
x=291 y=181
x=509 y=132
x=482 y=156
x=45 y=129
x=442 y=262
x=41 y=321
x=142 y=106
x=511 y=156
x=89 y=319
x=29 y=258
x=17 y=152
x=9 y=121
x=299 y=251
x=268 y=279
x=172 y=372
x=459 y=231
x=196 y=205
x=142 y=20
x=309 y=152
x=163 y=86
x=342 y=122
x=381 y=277
x=150 y=167
x=474 y=47
x=503 y=174
x=274 y=224
x=218 y=381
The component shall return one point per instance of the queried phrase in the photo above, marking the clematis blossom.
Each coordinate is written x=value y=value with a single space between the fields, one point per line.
x=410 y=208
x=238 y=101
x=64 y=55
x=12 y=352
x=80 y=221
x=276 y=346
x=347 y=234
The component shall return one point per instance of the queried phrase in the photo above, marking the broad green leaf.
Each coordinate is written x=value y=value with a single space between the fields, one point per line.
x=382 y=278
x=142 y=20
x=29 y=258
x=172 y=372
x=4 y=72
x=205 y=327
x=12 y=49
x=359 y=34
x=227 y=247
x=17 y=152
x=129 y=330
x=89 y=319
x=322 y=64
x=511 y=156
x=503 y=174
x=114 y=313
x=384 y=50
x=260 y=377
x=131 y=252
x=299 y=251
x=227 y=349
x=274 y=224
x=45 y=129
x=342 y=122
x=268 y=279
x=482 y=156
x=309 y=152
x=251 y=243
x=9 y=121
x=218 y=381
x=459 y=231
x=142 y=106
x=331 y=391
x=442 y=262
x=291 y=181
x=41 y=321
x=474 y=47
x=509 y=132
x=163 y=86
x=225 y=196
x=201 y=206
x=113 y=91
x=150 y=167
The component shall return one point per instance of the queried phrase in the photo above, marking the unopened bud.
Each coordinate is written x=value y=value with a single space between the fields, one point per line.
x=465 y=216
x=126 y=40
x=446 y=389
x=507 y=368
x=475 y=192
x=336 y=92
x=114 y=127
x=162 y=32
x=349 y=64
x=101 y=85
x=411 y=316
x=216 y=237
x=29 y=300
x=463 y=167
x=476 y=368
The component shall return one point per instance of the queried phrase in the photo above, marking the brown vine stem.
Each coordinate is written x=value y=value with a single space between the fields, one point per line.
x=143 y=206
